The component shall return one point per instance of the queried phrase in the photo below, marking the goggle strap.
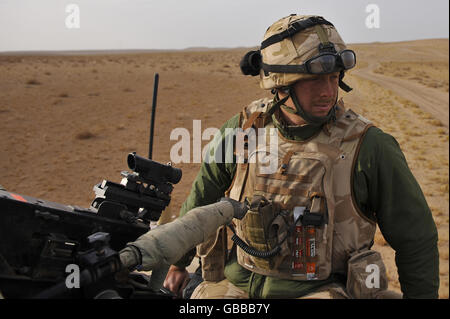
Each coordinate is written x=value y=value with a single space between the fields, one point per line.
x=293 y=29
x=277 y=68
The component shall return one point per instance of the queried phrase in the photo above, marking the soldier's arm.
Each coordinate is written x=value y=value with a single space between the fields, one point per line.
x=385 y=189
x=211 y=182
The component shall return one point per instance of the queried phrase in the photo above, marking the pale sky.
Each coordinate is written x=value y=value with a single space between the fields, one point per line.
x=29 y=25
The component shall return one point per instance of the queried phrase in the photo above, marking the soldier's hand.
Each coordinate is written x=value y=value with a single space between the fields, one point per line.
x=240 y=208
x=176 y=280
x=130 y=257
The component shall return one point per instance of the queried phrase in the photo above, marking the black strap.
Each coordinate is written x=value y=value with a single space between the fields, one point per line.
x=279 y=68
x=293 y=29
x=342 y=85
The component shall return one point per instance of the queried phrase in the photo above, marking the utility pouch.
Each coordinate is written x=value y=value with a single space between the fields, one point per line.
x=261 y=229
x=259 y=218
x=256 y=224
x=366 y=275
x=212 y=253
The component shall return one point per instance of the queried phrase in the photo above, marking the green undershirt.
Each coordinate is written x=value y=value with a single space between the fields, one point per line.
x=385 y=190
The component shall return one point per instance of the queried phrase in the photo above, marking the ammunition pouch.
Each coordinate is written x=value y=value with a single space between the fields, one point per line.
x=212 y=253
x=366 y=276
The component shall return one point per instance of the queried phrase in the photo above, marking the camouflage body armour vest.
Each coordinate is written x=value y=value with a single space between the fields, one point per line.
x=313 y=177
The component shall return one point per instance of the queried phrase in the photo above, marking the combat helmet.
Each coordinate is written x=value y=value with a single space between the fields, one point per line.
x=298 y=47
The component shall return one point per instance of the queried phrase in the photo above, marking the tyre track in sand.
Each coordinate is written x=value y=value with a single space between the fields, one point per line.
x=428 y=99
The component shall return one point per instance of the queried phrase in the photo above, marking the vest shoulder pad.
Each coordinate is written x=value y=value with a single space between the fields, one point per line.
x=260 y=105
x=353 y=116
x=351 y=125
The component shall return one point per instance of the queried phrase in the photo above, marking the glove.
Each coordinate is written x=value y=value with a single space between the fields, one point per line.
x=130 y=257
x=240 y=208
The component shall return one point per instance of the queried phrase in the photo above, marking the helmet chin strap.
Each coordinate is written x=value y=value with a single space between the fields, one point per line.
x=310 y=119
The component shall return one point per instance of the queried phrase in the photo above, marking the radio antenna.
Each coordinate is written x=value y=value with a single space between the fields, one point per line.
x=152 y=119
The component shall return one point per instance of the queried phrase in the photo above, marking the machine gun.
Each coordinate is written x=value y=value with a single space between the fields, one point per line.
x=42 y=242
x=39 y=238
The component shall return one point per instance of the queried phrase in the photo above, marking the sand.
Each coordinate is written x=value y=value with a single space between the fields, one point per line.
x=68 y=121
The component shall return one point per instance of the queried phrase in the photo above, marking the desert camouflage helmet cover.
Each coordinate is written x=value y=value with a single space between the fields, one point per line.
x=295 y=50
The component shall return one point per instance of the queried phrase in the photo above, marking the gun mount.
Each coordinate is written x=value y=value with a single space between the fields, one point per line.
x=143 y=193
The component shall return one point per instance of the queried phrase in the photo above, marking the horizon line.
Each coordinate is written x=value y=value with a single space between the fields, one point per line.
x=193 y=49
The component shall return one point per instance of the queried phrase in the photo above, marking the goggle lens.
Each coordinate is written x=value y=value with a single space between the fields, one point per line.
x=322 y=64
x=348 y=59
x=327 y=63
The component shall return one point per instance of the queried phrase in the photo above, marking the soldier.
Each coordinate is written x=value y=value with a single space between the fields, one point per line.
x=312 y=222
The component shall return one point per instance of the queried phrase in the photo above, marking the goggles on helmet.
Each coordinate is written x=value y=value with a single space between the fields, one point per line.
x=323 y=63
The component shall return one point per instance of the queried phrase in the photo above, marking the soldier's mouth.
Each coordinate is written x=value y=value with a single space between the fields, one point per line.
x=322 y=107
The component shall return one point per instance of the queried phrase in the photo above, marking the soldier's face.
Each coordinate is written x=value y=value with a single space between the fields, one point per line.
x=317 y=95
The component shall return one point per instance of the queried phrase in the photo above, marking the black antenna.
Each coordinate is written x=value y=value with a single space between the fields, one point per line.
x=152 y=119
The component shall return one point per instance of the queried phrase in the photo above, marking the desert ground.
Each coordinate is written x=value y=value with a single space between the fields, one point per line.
x=68 y=121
